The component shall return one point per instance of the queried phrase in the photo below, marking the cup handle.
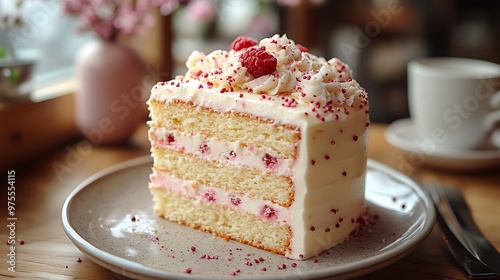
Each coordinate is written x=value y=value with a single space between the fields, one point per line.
x=495 y=100
x=492 y=120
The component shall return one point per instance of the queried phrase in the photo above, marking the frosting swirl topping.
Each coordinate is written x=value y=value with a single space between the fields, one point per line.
x=299 y=75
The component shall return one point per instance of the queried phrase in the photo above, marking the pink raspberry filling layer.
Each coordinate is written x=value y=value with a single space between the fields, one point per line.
x=222 y=151
x=204 y=194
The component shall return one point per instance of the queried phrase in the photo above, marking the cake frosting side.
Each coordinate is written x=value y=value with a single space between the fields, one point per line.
x=309 y=140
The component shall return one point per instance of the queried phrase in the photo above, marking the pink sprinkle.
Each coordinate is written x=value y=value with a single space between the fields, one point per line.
x=301 y=256
x=294 y=264
x=170 y=138
x=263 y=269
x=355 y=138
x=209 y=257
x=344 y=173
x=209 y=195
x=188 y=270
x=269 y=160
x=193 y=248
x=327 y=230
x=268 y=212
x=313 y=162
x=204 y=148
x=235 y=200
x=79 y=260
x=327 y=157
x=312 y=229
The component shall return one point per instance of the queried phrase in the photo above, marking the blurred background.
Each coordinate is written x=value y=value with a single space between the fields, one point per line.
x=39 y=40
x=376 y=38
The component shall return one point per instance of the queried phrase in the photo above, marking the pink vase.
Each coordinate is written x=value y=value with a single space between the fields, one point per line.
x=110 y=100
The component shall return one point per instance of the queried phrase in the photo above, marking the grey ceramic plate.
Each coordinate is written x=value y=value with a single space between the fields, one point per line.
x=109 y=218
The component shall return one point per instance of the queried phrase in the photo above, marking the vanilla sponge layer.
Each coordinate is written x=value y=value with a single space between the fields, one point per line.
x=221 y=221
x=251 y=182
x=252 y=131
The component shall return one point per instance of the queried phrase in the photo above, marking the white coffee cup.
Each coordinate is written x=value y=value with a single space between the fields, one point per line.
x=454 y=102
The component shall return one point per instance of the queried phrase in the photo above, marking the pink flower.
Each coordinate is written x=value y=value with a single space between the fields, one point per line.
x=204 y=10
x=167 y=6
x=110 y=19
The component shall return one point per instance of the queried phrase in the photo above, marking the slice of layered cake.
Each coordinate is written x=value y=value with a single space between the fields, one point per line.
x=264 y=144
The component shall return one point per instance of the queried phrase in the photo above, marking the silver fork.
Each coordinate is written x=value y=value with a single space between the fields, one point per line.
x=473 y=252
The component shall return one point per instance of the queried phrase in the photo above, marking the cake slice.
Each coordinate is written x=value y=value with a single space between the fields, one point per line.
x=264 y=144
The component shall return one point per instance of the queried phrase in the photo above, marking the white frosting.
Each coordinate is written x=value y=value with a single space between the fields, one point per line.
x=317 y=96
x=301 y=75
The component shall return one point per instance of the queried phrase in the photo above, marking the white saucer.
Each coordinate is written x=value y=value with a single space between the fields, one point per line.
x=401 y=134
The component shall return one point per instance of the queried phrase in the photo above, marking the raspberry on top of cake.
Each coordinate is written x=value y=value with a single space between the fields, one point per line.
x=290 y=70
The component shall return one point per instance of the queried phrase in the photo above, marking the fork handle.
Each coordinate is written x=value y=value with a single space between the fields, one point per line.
x=472 y=234
x=472 y=267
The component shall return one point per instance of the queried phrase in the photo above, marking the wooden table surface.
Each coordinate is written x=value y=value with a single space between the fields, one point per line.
x=47 y=253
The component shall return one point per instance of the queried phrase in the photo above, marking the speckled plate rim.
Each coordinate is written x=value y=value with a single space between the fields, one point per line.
x=137 y=270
